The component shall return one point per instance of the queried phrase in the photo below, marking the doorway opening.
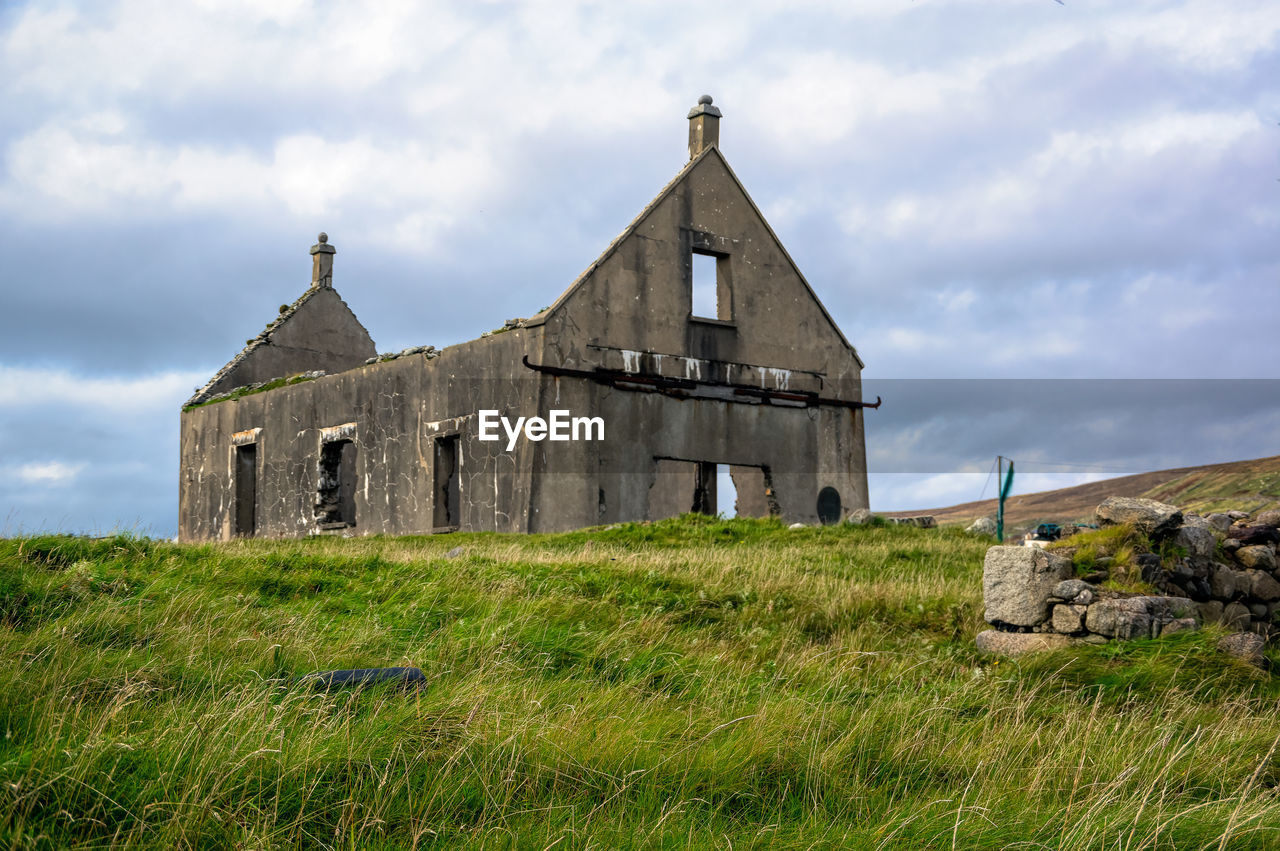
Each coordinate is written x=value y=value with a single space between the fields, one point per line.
x=245 y=518
x=445 y=491
x=336 y=493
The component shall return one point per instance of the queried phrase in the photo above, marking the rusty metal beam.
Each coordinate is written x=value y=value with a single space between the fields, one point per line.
x=680 y=387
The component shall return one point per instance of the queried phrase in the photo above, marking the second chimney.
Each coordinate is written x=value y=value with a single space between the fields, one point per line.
x=704 y=127
x=322 y=262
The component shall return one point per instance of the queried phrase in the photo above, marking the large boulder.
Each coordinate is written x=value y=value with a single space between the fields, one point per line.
x=859 y=516
x=982 y=526
x=1017 y=643
x=1017 y=583
x=1068 y=619
x=1146 y=515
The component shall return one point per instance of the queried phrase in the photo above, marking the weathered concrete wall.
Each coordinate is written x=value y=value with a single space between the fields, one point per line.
x=398 y=408
x=631 y=312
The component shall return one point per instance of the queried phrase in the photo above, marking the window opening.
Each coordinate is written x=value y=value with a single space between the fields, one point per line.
x=706 y=279
x=828 y=506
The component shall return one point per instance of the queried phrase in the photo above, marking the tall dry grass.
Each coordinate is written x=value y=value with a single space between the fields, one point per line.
x=723 y=684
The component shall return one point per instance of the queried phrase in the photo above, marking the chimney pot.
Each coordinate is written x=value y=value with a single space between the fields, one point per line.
x=322 y=261
x=704 y=126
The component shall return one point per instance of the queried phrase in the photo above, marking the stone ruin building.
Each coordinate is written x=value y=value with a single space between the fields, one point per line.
x=309 y=431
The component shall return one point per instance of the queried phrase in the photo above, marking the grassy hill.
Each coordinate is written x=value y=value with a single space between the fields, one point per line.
x=697 y=682
x=1245 y=485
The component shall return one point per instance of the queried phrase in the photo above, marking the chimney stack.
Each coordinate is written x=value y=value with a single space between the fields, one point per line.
x=704 y=127
x=322 y=262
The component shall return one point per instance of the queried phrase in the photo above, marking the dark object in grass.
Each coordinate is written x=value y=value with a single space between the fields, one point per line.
x=404 y=678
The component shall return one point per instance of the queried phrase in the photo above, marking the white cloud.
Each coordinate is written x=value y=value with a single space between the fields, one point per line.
x=411 y=190
x=48 y=472
x=22 y=387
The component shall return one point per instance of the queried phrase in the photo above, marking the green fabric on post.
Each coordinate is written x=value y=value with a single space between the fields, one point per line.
x=1004 y=494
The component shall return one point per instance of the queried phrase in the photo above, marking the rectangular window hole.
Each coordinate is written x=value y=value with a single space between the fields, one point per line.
x=705 y=285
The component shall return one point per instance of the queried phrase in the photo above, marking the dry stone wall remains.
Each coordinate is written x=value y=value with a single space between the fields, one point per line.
x=1196 y=570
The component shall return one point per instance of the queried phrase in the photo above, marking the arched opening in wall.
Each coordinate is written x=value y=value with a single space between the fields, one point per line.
x=828 y=506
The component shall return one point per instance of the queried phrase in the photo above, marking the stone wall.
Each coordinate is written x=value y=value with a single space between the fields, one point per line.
x=1194 y=570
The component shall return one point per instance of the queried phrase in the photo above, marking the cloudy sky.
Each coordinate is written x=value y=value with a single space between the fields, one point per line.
x=1030 y=218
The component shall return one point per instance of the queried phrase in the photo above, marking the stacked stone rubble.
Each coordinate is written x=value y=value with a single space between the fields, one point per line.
x=1217 y=569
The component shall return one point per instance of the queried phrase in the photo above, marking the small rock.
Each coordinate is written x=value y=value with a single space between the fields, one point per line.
x=1146 y=515
x=1017 y=643
x=1235 y=514
x=1268 y=518
x=1262 y=585
x=1068 y=619
x=1165 y=609
x=1245 y=646
x=1069 y=589
x=858 y=516
x=1258 y=610
x=1179 y=625
x=796 y=526
x=1260 y=557
x=1220 y=523
x=1222 y=584
x=1092 y=639
x=1196 y=537
x=1236 y=615
x=454 y=553
x=982 y=526
x=1211 y=611
x=1122 y=618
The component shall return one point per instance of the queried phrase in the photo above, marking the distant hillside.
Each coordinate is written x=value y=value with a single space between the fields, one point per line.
x=1245 y=485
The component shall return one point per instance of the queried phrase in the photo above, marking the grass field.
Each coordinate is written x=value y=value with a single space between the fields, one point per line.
x=729 y=684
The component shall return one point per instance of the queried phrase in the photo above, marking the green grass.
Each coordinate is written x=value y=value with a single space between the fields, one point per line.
x=698 y=682
x=241 y=392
